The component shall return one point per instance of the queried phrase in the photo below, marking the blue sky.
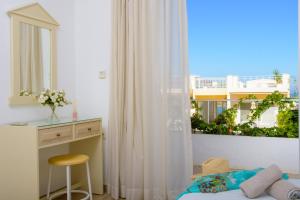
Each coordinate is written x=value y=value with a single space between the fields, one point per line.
x=242 y=37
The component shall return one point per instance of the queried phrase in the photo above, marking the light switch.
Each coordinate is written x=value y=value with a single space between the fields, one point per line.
x=102 y=74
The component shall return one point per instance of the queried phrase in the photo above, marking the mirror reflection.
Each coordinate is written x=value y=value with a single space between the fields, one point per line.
x=35 y=59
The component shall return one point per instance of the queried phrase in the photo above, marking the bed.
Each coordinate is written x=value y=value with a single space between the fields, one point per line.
x=229 y=195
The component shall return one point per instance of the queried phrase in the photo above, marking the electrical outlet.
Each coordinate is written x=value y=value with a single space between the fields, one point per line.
x=102 y=74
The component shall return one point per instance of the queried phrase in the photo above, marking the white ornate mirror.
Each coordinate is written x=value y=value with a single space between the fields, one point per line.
x=33 y=53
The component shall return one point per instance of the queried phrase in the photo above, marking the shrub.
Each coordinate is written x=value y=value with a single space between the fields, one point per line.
x=230 y=116
x=295 y=116
x=203 y=125
x=211 y=129
x=220 y=119
x=243 y=129
x=196 y=120
x=222 y=129
x=288 y=123
x=224 y=124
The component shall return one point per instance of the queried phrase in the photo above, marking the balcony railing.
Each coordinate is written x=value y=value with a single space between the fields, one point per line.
x=210 y=83
x=258 y=81
x=241 y=82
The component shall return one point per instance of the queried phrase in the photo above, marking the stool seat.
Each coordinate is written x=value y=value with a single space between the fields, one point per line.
x=68 y=159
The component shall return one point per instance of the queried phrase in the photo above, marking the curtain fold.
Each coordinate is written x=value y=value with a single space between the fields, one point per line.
x=149 y=137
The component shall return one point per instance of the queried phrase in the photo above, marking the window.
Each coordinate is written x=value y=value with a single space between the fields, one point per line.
x=243 y=53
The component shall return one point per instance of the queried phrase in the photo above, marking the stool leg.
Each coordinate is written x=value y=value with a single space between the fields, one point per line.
x=69 y=183
x=49 y=181
x=89 y=180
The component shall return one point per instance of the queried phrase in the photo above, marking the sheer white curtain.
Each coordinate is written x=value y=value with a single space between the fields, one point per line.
x=149 y=138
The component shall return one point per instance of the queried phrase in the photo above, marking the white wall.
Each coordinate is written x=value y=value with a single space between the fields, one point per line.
x=92 y=36
x=248 y=152
x=63 y=12
x=93 y=41
x=83 y=50
x=83 y=47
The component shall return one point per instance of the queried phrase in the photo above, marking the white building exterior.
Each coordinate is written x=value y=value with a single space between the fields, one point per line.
x=217 y=94
x=230 y=85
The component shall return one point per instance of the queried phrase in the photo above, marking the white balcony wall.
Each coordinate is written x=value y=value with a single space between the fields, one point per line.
x=232 y=82
x=248 y=152
x=261 y=83
x=192 y=82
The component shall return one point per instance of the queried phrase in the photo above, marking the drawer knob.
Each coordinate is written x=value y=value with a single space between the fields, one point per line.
x=89 y=129
x=58 y=135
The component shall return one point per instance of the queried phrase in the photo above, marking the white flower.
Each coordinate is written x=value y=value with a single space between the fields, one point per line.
x=41 y=100
x=53 y=98
x=253 y=105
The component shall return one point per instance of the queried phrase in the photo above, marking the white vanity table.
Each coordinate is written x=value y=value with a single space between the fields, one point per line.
x=21 y=147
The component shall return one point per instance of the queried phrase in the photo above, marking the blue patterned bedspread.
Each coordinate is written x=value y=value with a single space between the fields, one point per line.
x=221 y=182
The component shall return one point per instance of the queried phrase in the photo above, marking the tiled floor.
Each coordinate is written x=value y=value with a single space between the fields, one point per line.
x=79 y=196
x=197 y=169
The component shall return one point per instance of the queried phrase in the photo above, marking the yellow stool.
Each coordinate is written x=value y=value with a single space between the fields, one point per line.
x=68 y=161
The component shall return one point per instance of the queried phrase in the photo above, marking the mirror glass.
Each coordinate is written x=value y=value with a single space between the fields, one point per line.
x=35 y=59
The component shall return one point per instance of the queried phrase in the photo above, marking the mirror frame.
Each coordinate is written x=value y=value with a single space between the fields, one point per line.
x=36 y=15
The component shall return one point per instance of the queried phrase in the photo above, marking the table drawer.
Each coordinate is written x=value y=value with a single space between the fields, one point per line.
x=87 y=129
x=55 y=135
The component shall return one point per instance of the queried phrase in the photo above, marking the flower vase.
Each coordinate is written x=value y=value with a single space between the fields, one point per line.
x=53 y=116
